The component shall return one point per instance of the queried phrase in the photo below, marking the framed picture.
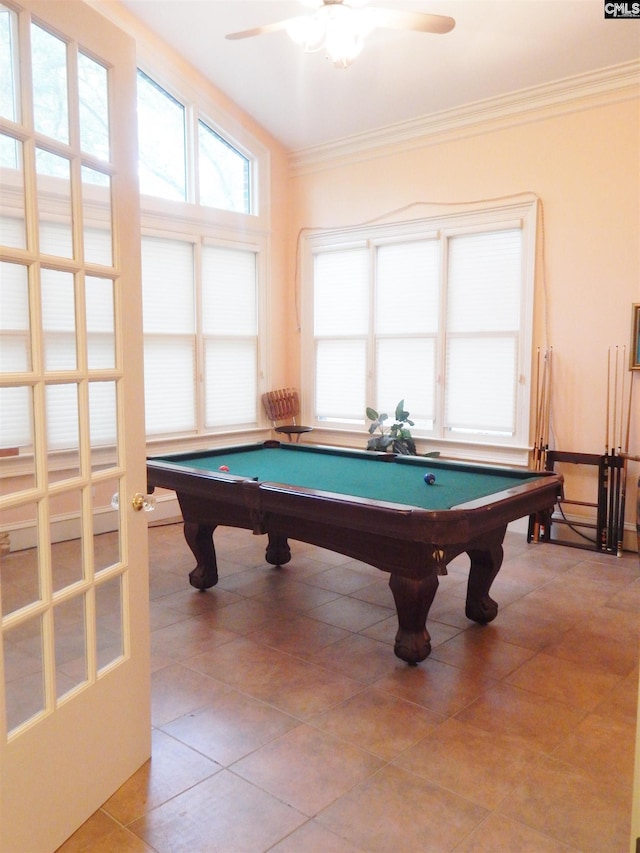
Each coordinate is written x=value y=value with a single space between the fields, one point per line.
x=635 y=338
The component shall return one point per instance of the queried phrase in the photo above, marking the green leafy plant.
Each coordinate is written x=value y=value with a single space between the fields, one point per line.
x=396 y=438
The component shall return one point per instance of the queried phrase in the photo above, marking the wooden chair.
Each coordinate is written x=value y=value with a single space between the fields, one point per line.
x=282 y=408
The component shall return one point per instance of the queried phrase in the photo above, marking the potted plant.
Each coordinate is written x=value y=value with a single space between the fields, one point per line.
x=397 y=439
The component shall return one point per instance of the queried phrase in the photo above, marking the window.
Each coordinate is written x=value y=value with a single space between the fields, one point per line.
x=162 y=166
x=203 y=267
x=438 y=313
x=200 y=336
x=223 y=172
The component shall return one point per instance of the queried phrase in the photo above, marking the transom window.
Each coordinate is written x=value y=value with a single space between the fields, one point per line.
x=222 y=172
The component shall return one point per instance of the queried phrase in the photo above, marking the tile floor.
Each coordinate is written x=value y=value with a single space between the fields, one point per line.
x=283 y=722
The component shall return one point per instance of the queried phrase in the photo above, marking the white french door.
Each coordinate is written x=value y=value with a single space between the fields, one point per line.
x=74 y=659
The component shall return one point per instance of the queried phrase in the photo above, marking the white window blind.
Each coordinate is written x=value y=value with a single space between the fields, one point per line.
x=342 y=292
x=167 y=286
x=341 y=369
x=481 y=384
x=408 y=288
x=169 y=335
x=484 y=281
x=229 y=305
x=407 y=294
x=341 y=314
x=169 y=390
x=406 y=369
x=199 y=304
x=231 y=371
x=230 y=328
x=483 y=319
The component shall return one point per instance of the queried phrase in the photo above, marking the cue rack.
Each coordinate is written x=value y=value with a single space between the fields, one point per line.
x=607 y=532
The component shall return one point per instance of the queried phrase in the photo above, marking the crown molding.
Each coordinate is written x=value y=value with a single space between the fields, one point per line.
x=580 y=92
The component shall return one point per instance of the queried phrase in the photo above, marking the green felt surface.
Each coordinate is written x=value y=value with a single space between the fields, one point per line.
x=362 y=476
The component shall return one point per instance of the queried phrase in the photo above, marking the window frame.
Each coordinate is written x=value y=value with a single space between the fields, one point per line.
x=200 y=225
x=199 y=108
x=499 y=216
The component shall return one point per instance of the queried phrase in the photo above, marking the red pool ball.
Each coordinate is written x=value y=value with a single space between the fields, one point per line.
x=223 y=468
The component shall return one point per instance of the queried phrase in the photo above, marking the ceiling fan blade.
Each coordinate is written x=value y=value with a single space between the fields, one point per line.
x=259 y=31
x=420 y=21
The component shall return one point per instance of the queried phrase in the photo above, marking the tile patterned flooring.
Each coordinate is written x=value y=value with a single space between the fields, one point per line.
x=283 y=722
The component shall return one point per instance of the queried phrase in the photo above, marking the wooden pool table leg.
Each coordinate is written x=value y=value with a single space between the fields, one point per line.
x=485 y=565
x=413 y=599
x=200 y=539
x=278 y=551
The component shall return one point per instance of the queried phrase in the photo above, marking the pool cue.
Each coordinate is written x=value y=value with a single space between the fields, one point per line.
x=623 y=495
x=544 y=394
x=538 y=403
x=619 y=520
x=547 y=417
x=614 y=496
x=605 y=470
x=534 y=458
x=537 y=450
x=612 y=453
x=535 y=534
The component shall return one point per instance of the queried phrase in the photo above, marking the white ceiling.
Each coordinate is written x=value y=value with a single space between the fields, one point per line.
x=496 y=47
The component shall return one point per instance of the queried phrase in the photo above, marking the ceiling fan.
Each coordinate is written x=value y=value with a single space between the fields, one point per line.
x=340 y=29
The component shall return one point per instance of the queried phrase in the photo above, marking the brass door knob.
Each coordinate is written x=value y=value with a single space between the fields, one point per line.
x=145 y=502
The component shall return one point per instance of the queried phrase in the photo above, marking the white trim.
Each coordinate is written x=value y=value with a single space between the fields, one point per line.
x=582 y=91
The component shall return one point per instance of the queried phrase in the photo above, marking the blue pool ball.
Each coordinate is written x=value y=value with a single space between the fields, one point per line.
x=429 y=479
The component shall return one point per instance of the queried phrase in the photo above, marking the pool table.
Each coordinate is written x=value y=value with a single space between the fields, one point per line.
x=374 y=507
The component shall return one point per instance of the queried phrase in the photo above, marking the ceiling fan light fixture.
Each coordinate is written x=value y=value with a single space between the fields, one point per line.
x=345 y=32
x=336 y=28
x=308 y=32
x=341 y=30
x=343 y=47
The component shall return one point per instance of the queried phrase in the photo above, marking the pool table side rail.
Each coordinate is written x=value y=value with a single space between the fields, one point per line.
x=458 y=524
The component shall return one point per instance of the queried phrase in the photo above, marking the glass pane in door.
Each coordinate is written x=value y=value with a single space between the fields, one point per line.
x=96 y=193
x=103 y=424
x=62 y=431
x=9 y=92
x=15 y=335
x=12 y=217
x=99 y=306
x=19 y=558
x=54 y=204
x=57 y=293
x=17 y=460
x=109 y=634
x=93 y=94
x=50 y=84
x=105 y=495
x=70 y=644
x=23 y=672
x=65 y=522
